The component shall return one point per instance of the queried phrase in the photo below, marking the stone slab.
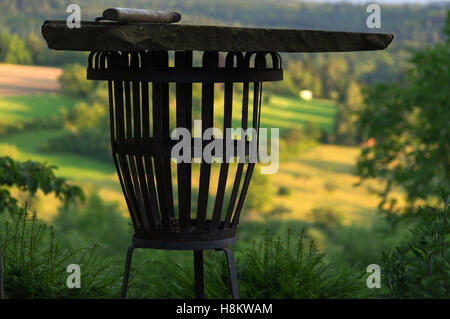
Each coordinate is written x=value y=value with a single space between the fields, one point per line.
x=118 y=36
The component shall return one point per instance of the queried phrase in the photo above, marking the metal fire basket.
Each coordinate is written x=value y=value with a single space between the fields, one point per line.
x=134 y=60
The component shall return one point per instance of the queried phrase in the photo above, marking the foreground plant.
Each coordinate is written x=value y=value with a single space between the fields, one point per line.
x=272 y=268
x=30 y=176
x=35 y=267
x=420 y=268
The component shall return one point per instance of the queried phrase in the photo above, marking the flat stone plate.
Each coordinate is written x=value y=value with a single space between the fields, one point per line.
x=116 y=36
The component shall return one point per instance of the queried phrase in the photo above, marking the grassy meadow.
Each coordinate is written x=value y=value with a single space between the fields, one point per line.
x=35 y=106
x=320 y=178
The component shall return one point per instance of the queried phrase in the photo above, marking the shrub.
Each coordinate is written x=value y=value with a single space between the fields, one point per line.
x=93 y=143
x=95 y=222
x=357 y=246
x=35 y=267
x=327 y=217
x=293 y=269
x=330 y=186
x=420 y=268
x=277 y=211
x=284 y=191
x=8 y=128
x=296 y=140
x=73 y=81
x=272 y=268
x=30 y=176
x=86 y=133
x=13 y=49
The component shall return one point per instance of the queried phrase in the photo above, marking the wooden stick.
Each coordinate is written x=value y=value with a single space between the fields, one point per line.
x=140 y=15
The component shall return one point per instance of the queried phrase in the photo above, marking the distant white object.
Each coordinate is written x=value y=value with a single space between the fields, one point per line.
x=306 y=95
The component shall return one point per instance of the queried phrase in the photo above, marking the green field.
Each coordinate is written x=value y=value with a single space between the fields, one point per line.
x=319 y=179
x=284 y=112
x=24 y=107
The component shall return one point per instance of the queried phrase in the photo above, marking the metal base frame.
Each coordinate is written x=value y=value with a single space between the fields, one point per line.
x=197 y=248
x=140 y=113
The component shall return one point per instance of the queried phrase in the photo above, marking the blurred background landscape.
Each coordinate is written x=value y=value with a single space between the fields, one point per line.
x=328 y=188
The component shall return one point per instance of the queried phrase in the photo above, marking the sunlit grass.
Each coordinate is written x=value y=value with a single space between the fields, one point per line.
x=284 y=112
x=23 y=107
x=324 y=177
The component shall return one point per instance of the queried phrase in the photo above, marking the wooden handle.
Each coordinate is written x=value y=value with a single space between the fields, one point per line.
x=140 y=15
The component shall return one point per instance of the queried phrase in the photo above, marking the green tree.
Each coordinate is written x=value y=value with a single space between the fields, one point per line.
x=420 y=267
x=345 y=127
x=410 y=126
x=73 y=81
x=31 y=176
x=37 y=48
x=86 y=132
x=13 y=49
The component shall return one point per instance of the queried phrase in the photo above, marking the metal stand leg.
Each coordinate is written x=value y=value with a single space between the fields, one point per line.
x=126 y=273
x=232 y=272
x=198 y=274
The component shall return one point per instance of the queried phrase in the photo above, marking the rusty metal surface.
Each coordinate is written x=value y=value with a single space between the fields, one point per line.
x=116 y=36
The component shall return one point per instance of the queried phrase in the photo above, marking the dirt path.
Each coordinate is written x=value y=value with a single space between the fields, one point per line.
x=25 y=79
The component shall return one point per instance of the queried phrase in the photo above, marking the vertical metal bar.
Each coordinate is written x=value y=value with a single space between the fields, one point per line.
x=146 y=207
x=240 y=168
x=228 y=111
x=250 y=166
x=167 y=172
x=123 y=167
x=118 y=98
x=232 y=272
x=115 y=99
x=133 y=109
x=128 y=130
x=152 y=190
x=260 y=63
x=137 y=166
x=145 y=110
x=136 y=97
x=127 y=162
x=126 y=273
x=129 y=165
x=125 y=173
x=199 y=275
x=158 y=106
x=112 y=123
x=210 y=61
x=146 y=63
x=183 y=61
